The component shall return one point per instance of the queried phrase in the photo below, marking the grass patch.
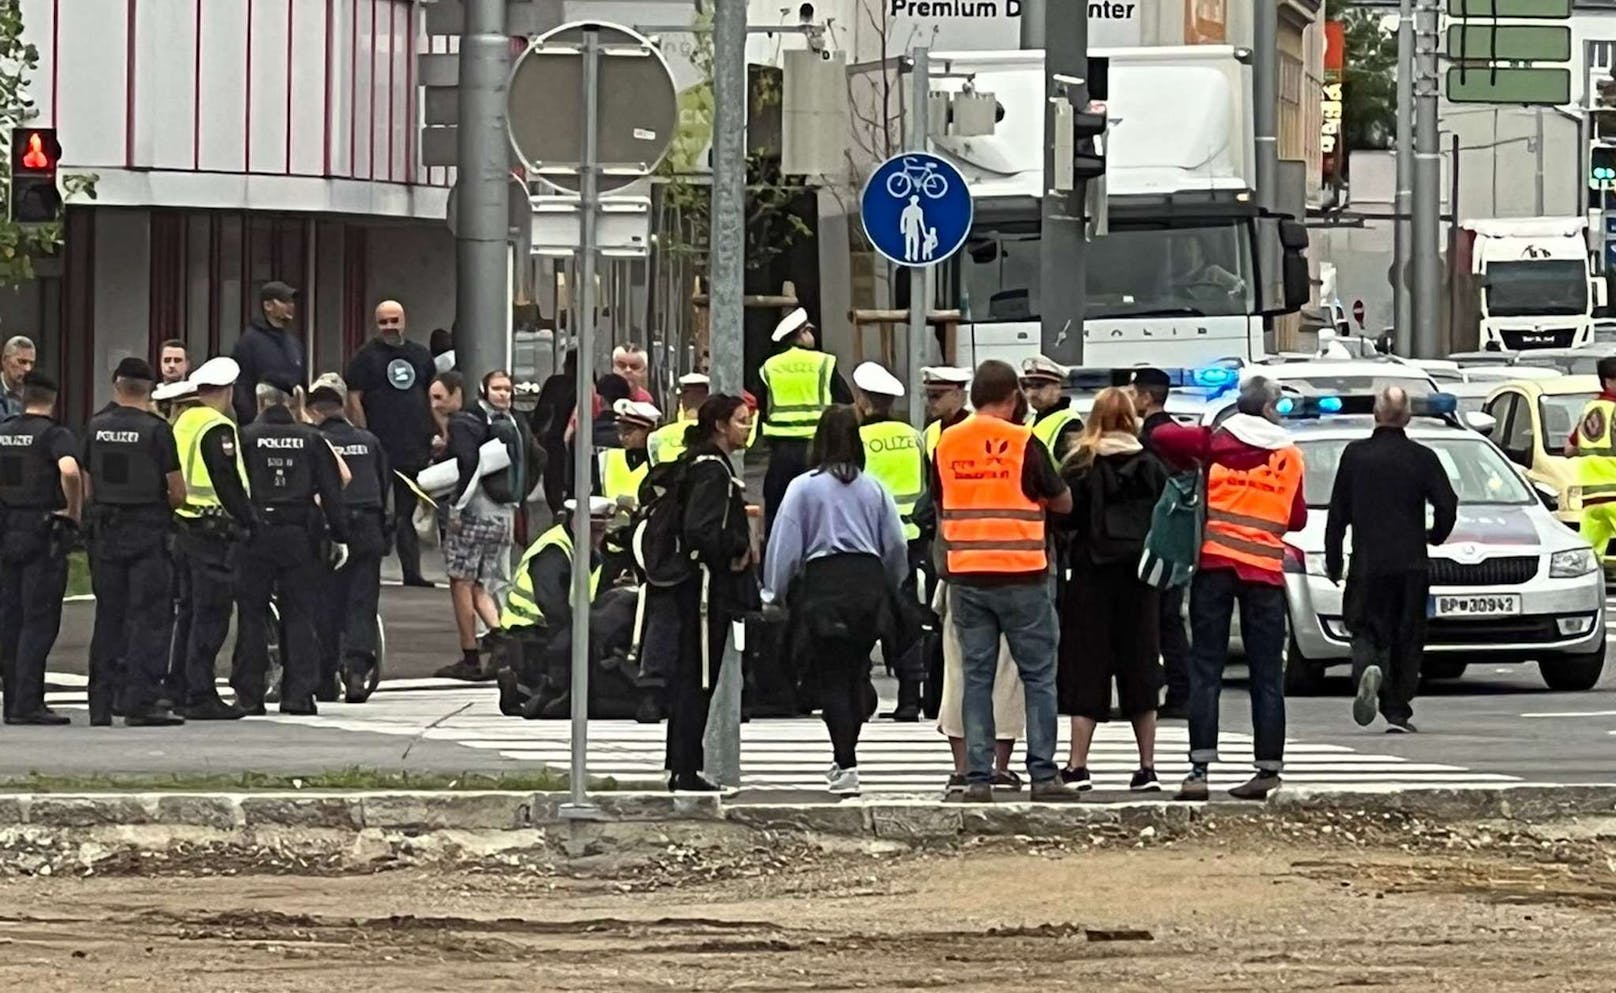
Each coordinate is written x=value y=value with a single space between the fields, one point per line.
x=78 y=574
x=354 y=779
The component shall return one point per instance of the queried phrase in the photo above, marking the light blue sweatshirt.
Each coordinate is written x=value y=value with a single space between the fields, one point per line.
x=822 y=516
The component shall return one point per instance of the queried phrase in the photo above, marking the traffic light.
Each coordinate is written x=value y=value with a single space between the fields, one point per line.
x=1088 y=142
x=1601 y=166
x=34 y=198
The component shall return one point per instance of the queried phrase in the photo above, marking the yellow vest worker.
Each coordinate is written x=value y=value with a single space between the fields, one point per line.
x=892 y=449
x=1596 y=471
x=945 y=401
x=201 y=497
x=524 y=602
x=668 y=442
x=1053 y=422
x=798 y=385
x=620 y=470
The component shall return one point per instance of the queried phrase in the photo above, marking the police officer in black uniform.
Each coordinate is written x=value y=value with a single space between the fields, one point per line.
x=288 y=465
x=41 y=500
x=135 y=485
x=348 y=605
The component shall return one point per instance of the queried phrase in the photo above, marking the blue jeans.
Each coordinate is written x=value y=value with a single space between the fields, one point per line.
x=1213 y=594
x=1025 y=616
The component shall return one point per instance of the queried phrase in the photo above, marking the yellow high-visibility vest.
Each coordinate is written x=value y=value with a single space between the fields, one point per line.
x=892 y=455
x=1596 y=449
x=799 y=391
x=617 y=479
x=200 y=496
x=1048 y=430
x=520 y=609
x=667 y=443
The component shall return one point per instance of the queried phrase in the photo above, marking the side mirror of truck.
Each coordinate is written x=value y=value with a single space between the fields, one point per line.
x=1286 y=284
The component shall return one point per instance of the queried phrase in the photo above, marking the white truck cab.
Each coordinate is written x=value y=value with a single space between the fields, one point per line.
x=1537 y=288
x=1188 y=267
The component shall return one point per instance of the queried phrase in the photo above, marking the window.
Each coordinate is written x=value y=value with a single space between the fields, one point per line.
x=1517 y=433
x=1559 y=414
x=1193 y=270
x=1478 y=474
x=1546 y=286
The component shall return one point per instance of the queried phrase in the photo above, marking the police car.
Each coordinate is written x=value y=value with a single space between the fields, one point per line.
x=1511 y=584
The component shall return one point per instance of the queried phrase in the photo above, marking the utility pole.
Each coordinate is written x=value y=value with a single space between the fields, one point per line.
x=1265 y=100
x=920 y=285
x=1032 y=24
x=1537 y=144
x=481 y=254
x=1427 y=193
x=1062 y=245
x=1403 y=313
x=726 y=328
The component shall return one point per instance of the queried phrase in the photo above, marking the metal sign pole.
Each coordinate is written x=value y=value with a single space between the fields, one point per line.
x=920 y=290
x=583 y=453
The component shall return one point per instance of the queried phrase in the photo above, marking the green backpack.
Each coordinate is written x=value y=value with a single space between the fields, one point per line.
x=1173 y=546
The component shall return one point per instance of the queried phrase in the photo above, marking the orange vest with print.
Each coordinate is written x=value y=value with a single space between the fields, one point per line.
x=986 y=522
x=1248 y=511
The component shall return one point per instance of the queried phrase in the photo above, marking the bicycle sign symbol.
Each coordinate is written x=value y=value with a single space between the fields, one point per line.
x=917 y=177
x=916 y=209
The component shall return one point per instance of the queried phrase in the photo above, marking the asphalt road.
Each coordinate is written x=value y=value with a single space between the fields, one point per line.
x=1496 y=726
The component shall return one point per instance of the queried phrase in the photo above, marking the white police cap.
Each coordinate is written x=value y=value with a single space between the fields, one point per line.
x=790 y=324
x=598 y=506
x=637 y=411
x=174 y=391
x=945 y=375
x=218 y=371
x=1043 y=367
x=695 y=379
x=872 y=377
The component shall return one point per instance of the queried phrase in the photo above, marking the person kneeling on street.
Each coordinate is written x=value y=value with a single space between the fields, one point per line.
x=537 y=616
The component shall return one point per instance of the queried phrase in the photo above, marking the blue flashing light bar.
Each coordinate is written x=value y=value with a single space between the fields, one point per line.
x=1217 y=378
x=1444 y=405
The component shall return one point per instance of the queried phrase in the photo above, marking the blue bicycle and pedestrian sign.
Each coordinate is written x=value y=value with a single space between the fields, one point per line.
x=916 y=209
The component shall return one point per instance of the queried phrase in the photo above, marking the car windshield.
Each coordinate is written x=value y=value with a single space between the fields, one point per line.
x=1204 y=270
x=1559 y=413
x=1540 y=286
x=1479 y=473
x=1414 y=386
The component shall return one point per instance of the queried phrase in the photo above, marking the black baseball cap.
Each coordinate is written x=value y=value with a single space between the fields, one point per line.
x=325 y=394
x=134 y=368
x=277 y=290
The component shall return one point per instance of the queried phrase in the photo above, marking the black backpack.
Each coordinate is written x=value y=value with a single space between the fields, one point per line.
x=508 y=485
x=656 y=531
x=1122 y=499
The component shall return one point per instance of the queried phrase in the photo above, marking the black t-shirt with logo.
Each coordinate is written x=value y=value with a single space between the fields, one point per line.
x=398 y=411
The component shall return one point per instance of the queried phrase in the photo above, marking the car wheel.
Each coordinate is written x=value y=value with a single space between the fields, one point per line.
x=1303 y=677
x=1443 y=669
x=1572 y=673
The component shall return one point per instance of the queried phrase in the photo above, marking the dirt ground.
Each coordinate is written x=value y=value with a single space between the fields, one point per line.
x=1196 y=916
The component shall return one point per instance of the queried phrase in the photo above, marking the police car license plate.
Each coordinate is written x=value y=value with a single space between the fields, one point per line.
x=1475 y=605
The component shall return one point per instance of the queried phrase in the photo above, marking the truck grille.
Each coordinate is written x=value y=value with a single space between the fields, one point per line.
x=1541 y=338
x=1507 y=571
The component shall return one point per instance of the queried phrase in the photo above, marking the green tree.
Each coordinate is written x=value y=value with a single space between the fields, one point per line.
x=20 y=244
x=1369 y=93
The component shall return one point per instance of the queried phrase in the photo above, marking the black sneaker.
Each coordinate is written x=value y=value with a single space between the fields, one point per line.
x=419 y=583
x=956 y=783
x=1401 y=727
x=1078 y=778
x=1195 y=786
x=42 y=717
x=213 y=709
x=511 y=696
x=1144 y=780
x=692 y=783
x=1004 y=779
x=153 y=717
x=471 y=672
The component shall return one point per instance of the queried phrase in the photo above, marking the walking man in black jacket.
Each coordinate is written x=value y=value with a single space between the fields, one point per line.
x=1382 y=487
x=268 y=349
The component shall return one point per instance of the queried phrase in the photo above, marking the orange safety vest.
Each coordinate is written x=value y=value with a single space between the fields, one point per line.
x=1248 y=511
x=987 y=524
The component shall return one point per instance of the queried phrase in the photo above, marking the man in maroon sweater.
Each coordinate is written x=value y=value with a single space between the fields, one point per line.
x=1254 y=496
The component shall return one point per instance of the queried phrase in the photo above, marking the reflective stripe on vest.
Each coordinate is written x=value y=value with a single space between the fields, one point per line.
x=617 y=479
x=1596 y=449
x=987 y=524
x=799 y=391
x=892 y=456
x=1049 y=428
x=193 y=423
x=520 y=608
x=667 y=443
x=1248 y=511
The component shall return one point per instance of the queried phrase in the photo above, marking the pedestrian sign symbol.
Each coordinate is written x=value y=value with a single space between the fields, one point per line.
x=916 y=209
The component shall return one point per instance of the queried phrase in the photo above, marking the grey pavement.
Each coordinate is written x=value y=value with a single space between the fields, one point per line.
x=1497 y=726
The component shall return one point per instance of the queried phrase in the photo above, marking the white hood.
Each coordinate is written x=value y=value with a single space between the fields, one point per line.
x=1257 y=432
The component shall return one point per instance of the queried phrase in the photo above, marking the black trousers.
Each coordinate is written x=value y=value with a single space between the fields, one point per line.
x=180 y=633
x=688 y=699
x=1175 y=646
x=33 y=580
x=129 y=646
x=842 y=671
x=1386 y=614
x=346 y=612
x=280 y=560
x=788 y=459
x=405 y=539
x=209 y=564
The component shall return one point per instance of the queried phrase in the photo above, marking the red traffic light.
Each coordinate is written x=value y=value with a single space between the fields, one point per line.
x=34 y=150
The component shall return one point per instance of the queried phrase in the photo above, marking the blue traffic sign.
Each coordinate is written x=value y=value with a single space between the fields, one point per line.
x=916 y=209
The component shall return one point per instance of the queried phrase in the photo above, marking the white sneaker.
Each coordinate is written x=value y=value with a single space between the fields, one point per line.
x=845 y=783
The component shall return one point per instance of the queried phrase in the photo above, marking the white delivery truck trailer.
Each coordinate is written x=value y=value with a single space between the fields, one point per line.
x=1189 y=266
x=1530 y=282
